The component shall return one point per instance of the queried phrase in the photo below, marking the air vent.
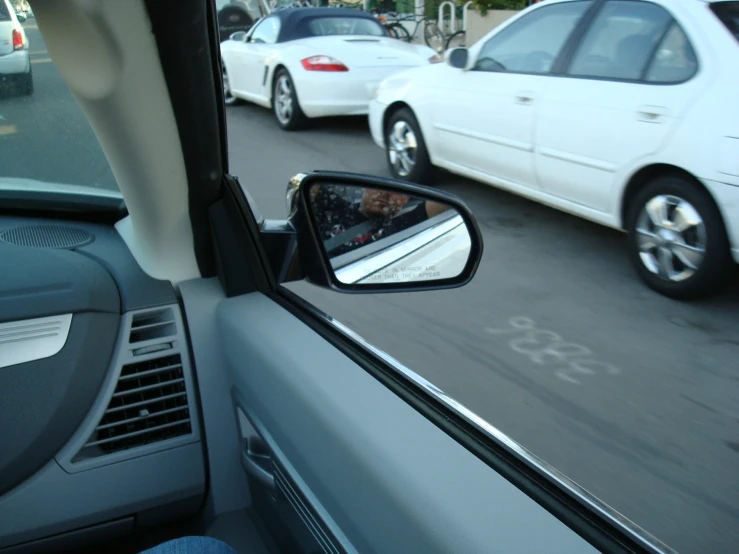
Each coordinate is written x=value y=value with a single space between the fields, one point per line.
x=47 y=236
x=149 y=405
x=156 y=324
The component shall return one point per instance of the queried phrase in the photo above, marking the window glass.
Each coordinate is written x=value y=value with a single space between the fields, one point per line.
x=531 y=44
x=620 y=42
x=324 y=26
x=266 y=31
x=675 y=60
x=728 y=13
x=4 y=12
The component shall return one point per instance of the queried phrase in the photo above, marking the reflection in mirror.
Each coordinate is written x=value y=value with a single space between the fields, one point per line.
x=373 y=236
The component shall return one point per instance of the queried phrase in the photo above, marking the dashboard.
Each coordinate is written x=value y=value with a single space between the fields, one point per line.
x=99 y=421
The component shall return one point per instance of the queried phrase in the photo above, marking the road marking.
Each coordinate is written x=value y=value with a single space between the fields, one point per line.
x=41 y=60
x=8 y=130
x=33 y=52
x=30 y=26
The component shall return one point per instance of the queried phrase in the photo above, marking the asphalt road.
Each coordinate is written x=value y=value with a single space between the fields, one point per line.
x=649 y=423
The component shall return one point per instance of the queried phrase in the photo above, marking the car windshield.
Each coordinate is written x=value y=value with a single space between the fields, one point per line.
x=326 y=26
x=728 y=13
x=45 y=137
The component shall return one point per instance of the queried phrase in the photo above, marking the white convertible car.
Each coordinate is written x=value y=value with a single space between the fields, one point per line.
x=314 y=62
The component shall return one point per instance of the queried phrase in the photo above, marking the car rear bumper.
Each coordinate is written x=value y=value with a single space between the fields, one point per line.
x=17 y=62
x=347 y=93
x=727 y=199
x=376 y=117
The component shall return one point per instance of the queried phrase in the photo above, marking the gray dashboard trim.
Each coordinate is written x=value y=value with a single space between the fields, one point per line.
x=33 y=339
x=124 y=354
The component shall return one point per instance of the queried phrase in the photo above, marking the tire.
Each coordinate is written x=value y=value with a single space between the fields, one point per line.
x=399 y=32
x=688 y=256
x=228 y=98
x=25 y=83
x=285 y=103
x=457 y=40
x=433 y=36
x=401 y=134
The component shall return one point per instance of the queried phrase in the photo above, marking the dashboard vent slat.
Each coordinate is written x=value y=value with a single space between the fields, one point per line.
x=157 y=324
x=149 y=405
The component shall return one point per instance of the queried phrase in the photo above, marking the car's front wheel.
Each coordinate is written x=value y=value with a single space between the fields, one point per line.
x=405 y=148
x=677 y=239
x=285 y=102
x=228 y=98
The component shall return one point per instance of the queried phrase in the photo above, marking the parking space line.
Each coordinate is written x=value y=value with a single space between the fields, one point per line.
x=8 y=130
x=40 y=60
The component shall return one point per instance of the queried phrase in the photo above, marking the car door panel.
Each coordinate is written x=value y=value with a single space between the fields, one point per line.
x=369 y=462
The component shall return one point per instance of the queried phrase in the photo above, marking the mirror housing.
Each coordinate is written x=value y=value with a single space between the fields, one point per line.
x=21 y=17
x=457 y=57
x=238 y=36
x=387 y=235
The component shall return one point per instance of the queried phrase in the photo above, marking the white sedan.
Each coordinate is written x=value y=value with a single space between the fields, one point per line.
x=314 y=62
x=624 y=113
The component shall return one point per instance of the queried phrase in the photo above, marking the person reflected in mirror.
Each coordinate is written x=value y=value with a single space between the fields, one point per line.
x=352 y=217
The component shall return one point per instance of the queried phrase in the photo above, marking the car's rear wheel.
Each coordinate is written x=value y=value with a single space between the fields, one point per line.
x=677 y=239
x=25 y=83
x=285 y=102
x=406 y=150
x=228 y=98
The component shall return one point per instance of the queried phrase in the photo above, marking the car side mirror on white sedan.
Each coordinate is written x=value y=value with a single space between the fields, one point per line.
x=360 y=234
x=457 y=57
x=238 y=36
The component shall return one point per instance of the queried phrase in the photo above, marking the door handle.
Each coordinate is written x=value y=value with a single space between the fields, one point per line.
x=257 y=462
x=524 y=99
x=652 y=114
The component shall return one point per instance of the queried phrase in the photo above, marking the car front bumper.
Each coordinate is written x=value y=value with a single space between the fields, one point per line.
x=15 y=63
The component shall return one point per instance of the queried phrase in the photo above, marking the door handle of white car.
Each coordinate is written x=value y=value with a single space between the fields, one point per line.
x=524 y=99
x=651 y=114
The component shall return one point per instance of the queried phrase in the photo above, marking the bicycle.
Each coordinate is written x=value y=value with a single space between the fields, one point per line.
x=432 y=35
x=459 y=38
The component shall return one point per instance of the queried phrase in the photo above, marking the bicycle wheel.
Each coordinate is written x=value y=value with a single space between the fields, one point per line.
x=398 y=31
x=458 y=39
x=433 y=36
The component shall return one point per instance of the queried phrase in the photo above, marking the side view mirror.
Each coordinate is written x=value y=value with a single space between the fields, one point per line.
x=21 y=17
x=364 y=234
x=238 y=36
x=457 y=57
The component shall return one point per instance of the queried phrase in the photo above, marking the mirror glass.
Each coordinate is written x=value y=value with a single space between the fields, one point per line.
x=238 y=36
x=375 y=236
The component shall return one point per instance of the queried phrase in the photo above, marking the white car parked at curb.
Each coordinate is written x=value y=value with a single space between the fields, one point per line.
x=622 y=112
x=15 y=62
x=314 y=62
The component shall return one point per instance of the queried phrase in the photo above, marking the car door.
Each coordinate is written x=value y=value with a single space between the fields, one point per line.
x=259 y=44
x=630 y=78
x=484 y=117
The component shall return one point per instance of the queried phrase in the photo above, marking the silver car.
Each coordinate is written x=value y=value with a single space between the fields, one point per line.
x=15 y=61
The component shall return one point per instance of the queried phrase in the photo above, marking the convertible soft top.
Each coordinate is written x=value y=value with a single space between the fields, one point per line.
x=292 y=19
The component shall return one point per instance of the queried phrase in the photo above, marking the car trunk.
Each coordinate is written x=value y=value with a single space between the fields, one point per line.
x=368 y=51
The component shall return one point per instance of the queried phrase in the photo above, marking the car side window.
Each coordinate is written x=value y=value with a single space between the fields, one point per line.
x=674 y=61
x=266 y=32
x=532 y=44
x=621 y=40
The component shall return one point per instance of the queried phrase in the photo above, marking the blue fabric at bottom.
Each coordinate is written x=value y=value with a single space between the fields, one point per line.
x=191 y=545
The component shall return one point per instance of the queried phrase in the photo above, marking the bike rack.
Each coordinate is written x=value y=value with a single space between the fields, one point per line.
x=452 y=15
x=465 y=8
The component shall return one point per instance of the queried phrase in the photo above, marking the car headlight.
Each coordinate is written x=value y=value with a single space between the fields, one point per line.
x=436 y=58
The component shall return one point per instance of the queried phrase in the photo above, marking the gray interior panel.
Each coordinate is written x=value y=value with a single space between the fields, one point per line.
x=238 y=531
x=137 y=289
x=30 y=288
x=392 y=480
x=54 y=501
x=229 y=489
x=45 y=401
